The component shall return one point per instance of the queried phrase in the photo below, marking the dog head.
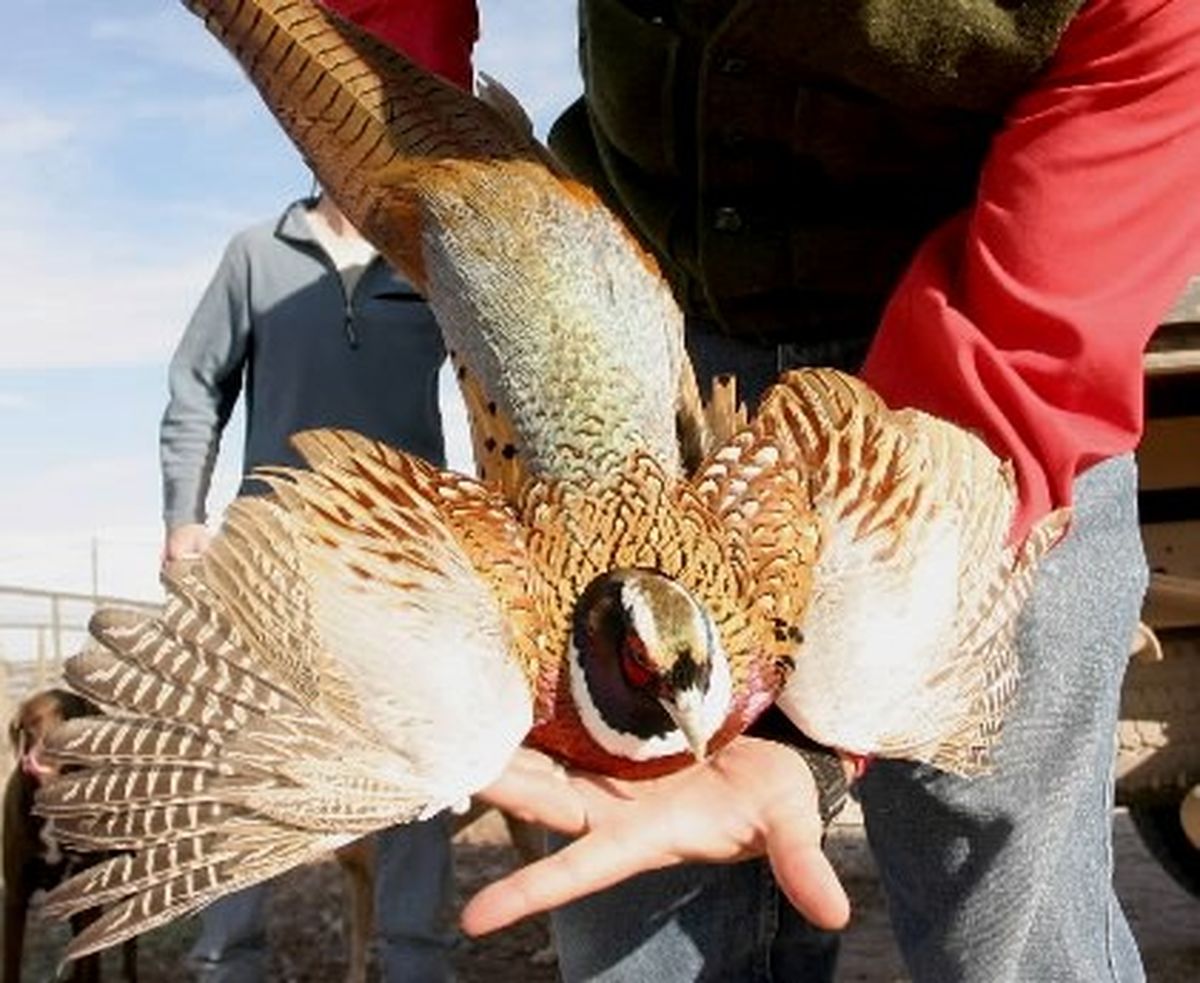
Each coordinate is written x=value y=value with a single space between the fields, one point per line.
x=35 y=718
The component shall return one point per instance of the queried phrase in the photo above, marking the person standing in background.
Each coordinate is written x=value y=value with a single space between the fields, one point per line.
x=306 y=320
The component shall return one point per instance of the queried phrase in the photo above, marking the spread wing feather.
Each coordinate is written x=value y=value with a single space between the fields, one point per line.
x=909 y=636
x=171 y=880
x=257 y=724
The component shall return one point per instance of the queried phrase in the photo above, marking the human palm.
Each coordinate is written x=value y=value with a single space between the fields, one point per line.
x=754 y=797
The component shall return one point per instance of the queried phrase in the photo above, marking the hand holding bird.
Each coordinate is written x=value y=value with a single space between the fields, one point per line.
x=624 y=828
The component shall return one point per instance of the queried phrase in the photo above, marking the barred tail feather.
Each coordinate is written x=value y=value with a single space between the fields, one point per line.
x=184 y=891
x=118 y=787
x=121 y=877
x=209 y=660
x=113 y=740
x=112 y=682
x=138 y=826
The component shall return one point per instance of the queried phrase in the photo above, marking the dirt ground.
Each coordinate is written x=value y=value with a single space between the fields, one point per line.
x=308 y=946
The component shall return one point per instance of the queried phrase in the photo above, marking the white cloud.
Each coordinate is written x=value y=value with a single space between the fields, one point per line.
x=131 y=282
x=109 y=504
x=227 y=110
x=24 y=131
x=103 y=288
x=71 y=529
x=75 y=497
x=13 y=401
x=100 y=312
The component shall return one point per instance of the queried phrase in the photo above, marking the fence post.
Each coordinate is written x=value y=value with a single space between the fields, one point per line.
x=41 y=656
x=50 y=649
x=56 y=622
x=5 y=697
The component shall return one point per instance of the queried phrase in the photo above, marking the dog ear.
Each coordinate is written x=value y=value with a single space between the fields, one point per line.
x=14 y=732
x=72 y=705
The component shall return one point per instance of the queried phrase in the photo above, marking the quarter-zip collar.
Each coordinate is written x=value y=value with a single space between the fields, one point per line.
x=294 y=227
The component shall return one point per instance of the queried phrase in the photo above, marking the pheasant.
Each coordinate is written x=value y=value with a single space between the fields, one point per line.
x=627 y=585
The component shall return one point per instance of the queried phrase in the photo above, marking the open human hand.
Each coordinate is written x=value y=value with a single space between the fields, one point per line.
x=753 y=797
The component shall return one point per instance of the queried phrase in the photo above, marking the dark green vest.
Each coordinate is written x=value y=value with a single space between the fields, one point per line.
x=783 y=158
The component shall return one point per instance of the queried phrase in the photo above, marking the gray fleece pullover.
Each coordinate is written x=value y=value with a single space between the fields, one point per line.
x=276 y=322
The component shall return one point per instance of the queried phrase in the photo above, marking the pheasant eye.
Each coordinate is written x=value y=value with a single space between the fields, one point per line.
x=633 y=663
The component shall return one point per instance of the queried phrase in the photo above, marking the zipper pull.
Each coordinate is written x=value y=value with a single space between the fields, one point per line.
x=351 y=334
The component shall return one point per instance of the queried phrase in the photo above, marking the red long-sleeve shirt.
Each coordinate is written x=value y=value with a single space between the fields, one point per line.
x=437 y=34
x=1025 y=317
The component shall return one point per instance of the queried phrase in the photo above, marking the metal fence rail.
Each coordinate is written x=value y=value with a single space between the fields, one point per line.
x=38 y=630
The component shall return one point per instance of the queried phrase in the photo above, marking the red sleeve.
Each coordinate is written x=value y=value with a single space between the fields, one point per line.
x=437 y=34
x=1025 y=318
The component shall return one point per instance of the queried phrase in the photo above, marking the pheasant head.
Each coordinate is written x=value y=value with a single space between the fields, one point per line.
x=647 y=670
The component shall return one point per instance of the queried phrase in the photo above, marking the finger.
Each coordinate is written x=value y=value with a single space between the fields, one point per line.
x=590 y=864
x=805 y=875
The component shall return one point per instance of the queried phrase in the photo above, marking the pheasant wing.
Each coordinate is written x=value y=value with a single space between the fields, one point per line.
x=908 y=640
x=347 y=655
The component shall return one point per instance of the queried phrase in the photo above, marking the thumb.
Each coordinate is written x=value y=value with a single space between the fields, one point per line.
x=806 y=877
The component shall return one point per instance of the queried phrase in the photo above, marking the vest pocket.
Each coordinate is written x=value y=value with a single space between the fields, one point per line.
x=630 y=82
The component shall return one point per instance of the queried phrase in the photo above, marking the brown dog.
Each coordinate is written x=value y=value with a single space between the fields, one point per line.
x=32 y=860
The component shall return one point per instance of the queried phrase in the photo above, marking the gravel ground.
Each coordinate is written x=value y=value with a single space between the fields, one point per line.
x=308 y=942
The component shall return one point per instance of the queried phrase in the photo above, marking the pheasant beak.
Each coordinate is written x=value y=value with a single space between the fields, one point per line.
x=686 y=709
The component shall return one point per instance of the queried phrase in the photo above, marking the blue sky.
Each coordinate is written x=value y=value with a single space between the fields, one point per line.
x=130 y=149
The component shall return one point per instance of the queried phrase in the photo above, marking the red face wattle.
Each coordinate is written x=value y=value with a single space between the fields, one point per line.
x=634 y=666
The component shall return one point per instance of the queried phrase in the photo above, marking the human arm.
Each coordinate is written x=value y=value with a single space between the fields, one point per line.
x=204 y=379
x=439 y=36
x=1025 y=318
x=753 y=797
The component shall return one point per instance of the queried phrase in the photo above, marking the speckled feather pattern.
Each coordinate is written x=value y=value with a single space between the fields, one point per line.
x=748 y=565
x=586 y=369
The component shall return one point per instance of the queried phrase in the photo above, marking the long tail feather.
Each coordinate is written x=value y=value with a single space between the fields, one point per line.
x=142 y=742
x=354 y=106
x=185 y=891
x=117 y=878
